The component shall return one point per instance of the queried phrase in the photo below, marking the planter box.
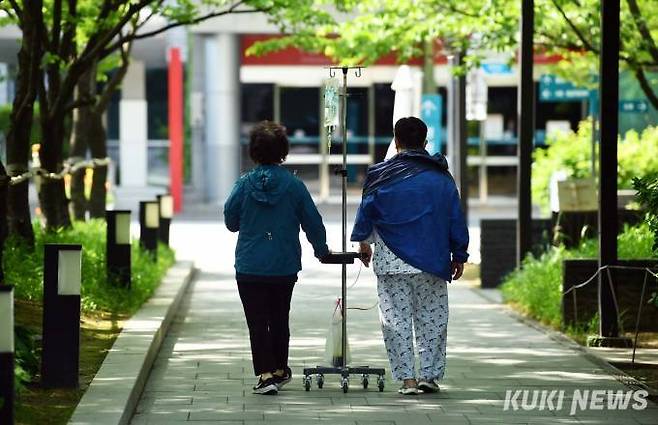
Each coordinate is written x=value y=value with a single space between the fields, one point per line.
x=498 y=247
x=628 y=287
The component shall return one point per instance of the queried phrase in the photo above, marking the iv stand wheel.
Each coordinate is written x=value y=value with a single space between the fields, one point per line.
x=380 y=383
x=345 y=384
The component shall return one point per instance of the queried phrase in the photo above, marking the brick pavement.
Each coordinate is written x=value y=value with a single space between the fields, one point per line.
x=203 y=374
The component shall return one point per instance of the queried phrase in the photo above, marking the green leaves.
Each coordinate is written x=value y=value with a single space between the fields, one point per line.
x=25 y=267
x=647 y=195
x=572 y=153
x=536 y=288
x=368 y=30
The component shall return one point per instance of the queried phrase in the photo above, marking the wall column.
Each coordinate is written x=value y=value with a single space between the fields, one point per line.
x=196 y=121
x=222 y=114
x=133 y=134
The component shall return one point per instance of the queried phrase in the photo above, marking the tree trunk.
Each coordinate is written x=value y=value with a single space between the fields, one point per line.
x=97 y=140
x=54 y=202
x=79 y=141
x=20 y=126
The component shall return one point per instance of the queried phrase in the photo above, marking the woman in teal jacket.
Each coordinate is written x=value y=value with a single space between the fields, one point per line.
x=267 y=207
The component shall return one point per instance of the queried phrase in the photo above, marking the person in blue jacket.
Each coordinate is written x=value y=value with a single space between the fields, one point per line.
x=410 y=210
x=267 y=207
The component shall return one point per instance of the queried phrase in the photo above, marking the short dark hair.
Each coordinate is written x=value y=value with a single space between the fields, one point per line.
x=268 y=143
x=410 y=133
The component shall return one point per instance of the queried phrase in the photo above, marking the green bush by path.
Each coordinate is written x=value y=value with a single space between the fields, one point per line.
x=24 y=269
x=536 y=289
x=647 y=194
x=572 y=153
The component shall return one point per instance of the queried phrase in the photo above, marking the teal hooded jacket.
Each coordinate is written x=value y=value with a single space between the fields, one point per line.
x=267 y=207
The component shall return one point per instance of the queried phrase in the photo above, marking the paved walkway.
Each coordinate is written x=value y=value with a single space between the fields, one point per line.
x=204 y=374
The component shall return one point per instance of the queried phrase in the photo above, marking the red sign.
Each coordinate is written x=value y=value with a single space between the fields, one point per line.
x=294 y=56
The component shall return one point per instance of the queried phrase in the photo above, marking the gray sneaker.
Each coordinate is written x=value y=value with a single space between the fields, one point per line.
x=428 y=386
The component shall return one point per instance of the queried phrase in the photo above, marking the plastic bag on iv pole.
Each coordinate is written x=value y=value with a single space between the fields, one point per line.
x=333 y=348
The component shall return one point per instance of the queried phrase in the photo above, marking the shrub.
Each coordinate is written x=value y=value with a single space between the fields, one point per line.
x=571 y=152
x=647 y=195
x=24 y=269
x=536 y=288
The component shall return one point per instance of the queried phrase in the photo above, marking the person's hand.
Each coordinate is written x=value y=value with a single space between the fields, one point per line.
x=325 y=256
x=366 y=253
x=457 y=270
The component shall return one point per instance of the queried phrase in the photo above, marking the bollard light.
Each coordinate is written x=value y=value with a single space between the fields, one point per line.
x=122 y=227
x=62 y=273
x=166 y=206
x=117 y=247
x=152 y=219
x=69 y=274
x=6 y=354
x=166 y=214
x=149 y=220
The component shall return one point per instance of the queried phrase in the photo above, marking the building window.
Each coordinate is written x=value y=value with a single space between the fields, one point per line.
x=157 y=98
x=300 y=112
x=256 y=104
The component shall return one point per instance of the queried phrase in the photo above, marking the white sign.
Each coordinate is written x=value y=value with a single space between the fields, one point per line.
x=476 y=96
x=494 y=127
x=577 y=195
x=555 y=127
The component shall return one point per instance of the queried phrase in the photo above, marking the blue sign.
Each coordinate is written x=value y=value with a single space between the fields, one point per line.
x=633 y=106
x=431 y=109
x=496 y=68
x=555 y=89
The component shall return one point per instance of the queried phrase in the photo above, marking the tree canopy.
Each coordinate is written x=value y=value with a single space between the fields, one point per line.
x=367 y=30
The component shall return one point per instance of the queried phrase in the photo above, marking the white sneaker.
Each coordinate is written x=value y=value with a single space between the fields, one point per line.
x=404 y=390
x=267 y=387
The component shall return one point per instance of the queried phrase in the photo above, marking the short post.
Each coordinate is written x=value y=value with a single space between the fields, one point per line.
x=117 y=254
x=166 y=214
x=61 y=315
x=6 y=354
x=149 y=220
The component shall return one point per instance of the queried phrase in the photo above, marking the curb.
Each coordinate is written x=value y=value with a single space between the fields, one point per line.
x=114 y=392
x=622 y=377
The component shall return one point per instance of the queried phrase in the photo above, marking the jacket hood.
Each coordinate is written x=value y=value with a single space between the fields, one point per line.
x=268 y=183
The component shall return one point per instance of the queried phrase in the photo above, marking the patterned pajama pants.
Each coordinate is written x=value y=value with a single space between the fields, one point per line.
x=414 y=302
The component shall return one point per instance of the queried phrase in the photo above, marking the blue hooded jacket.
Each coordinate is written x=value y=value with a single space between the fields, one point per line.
x=267 y=207
x=412 y=202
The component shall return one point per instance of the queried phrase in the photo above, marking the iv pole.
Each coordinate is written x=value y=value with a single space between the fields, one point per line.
x=343 y=258
x=343 y=173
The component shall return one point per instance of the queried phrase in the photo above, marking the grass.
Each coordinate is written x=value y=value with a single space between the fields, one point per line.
x=24 y=269
x=98 y=331
x=104 y=308
x=536 y=289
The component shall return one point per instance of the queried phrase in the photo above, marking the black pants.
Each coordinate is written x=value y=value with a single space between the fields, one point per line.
x=266 y=307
